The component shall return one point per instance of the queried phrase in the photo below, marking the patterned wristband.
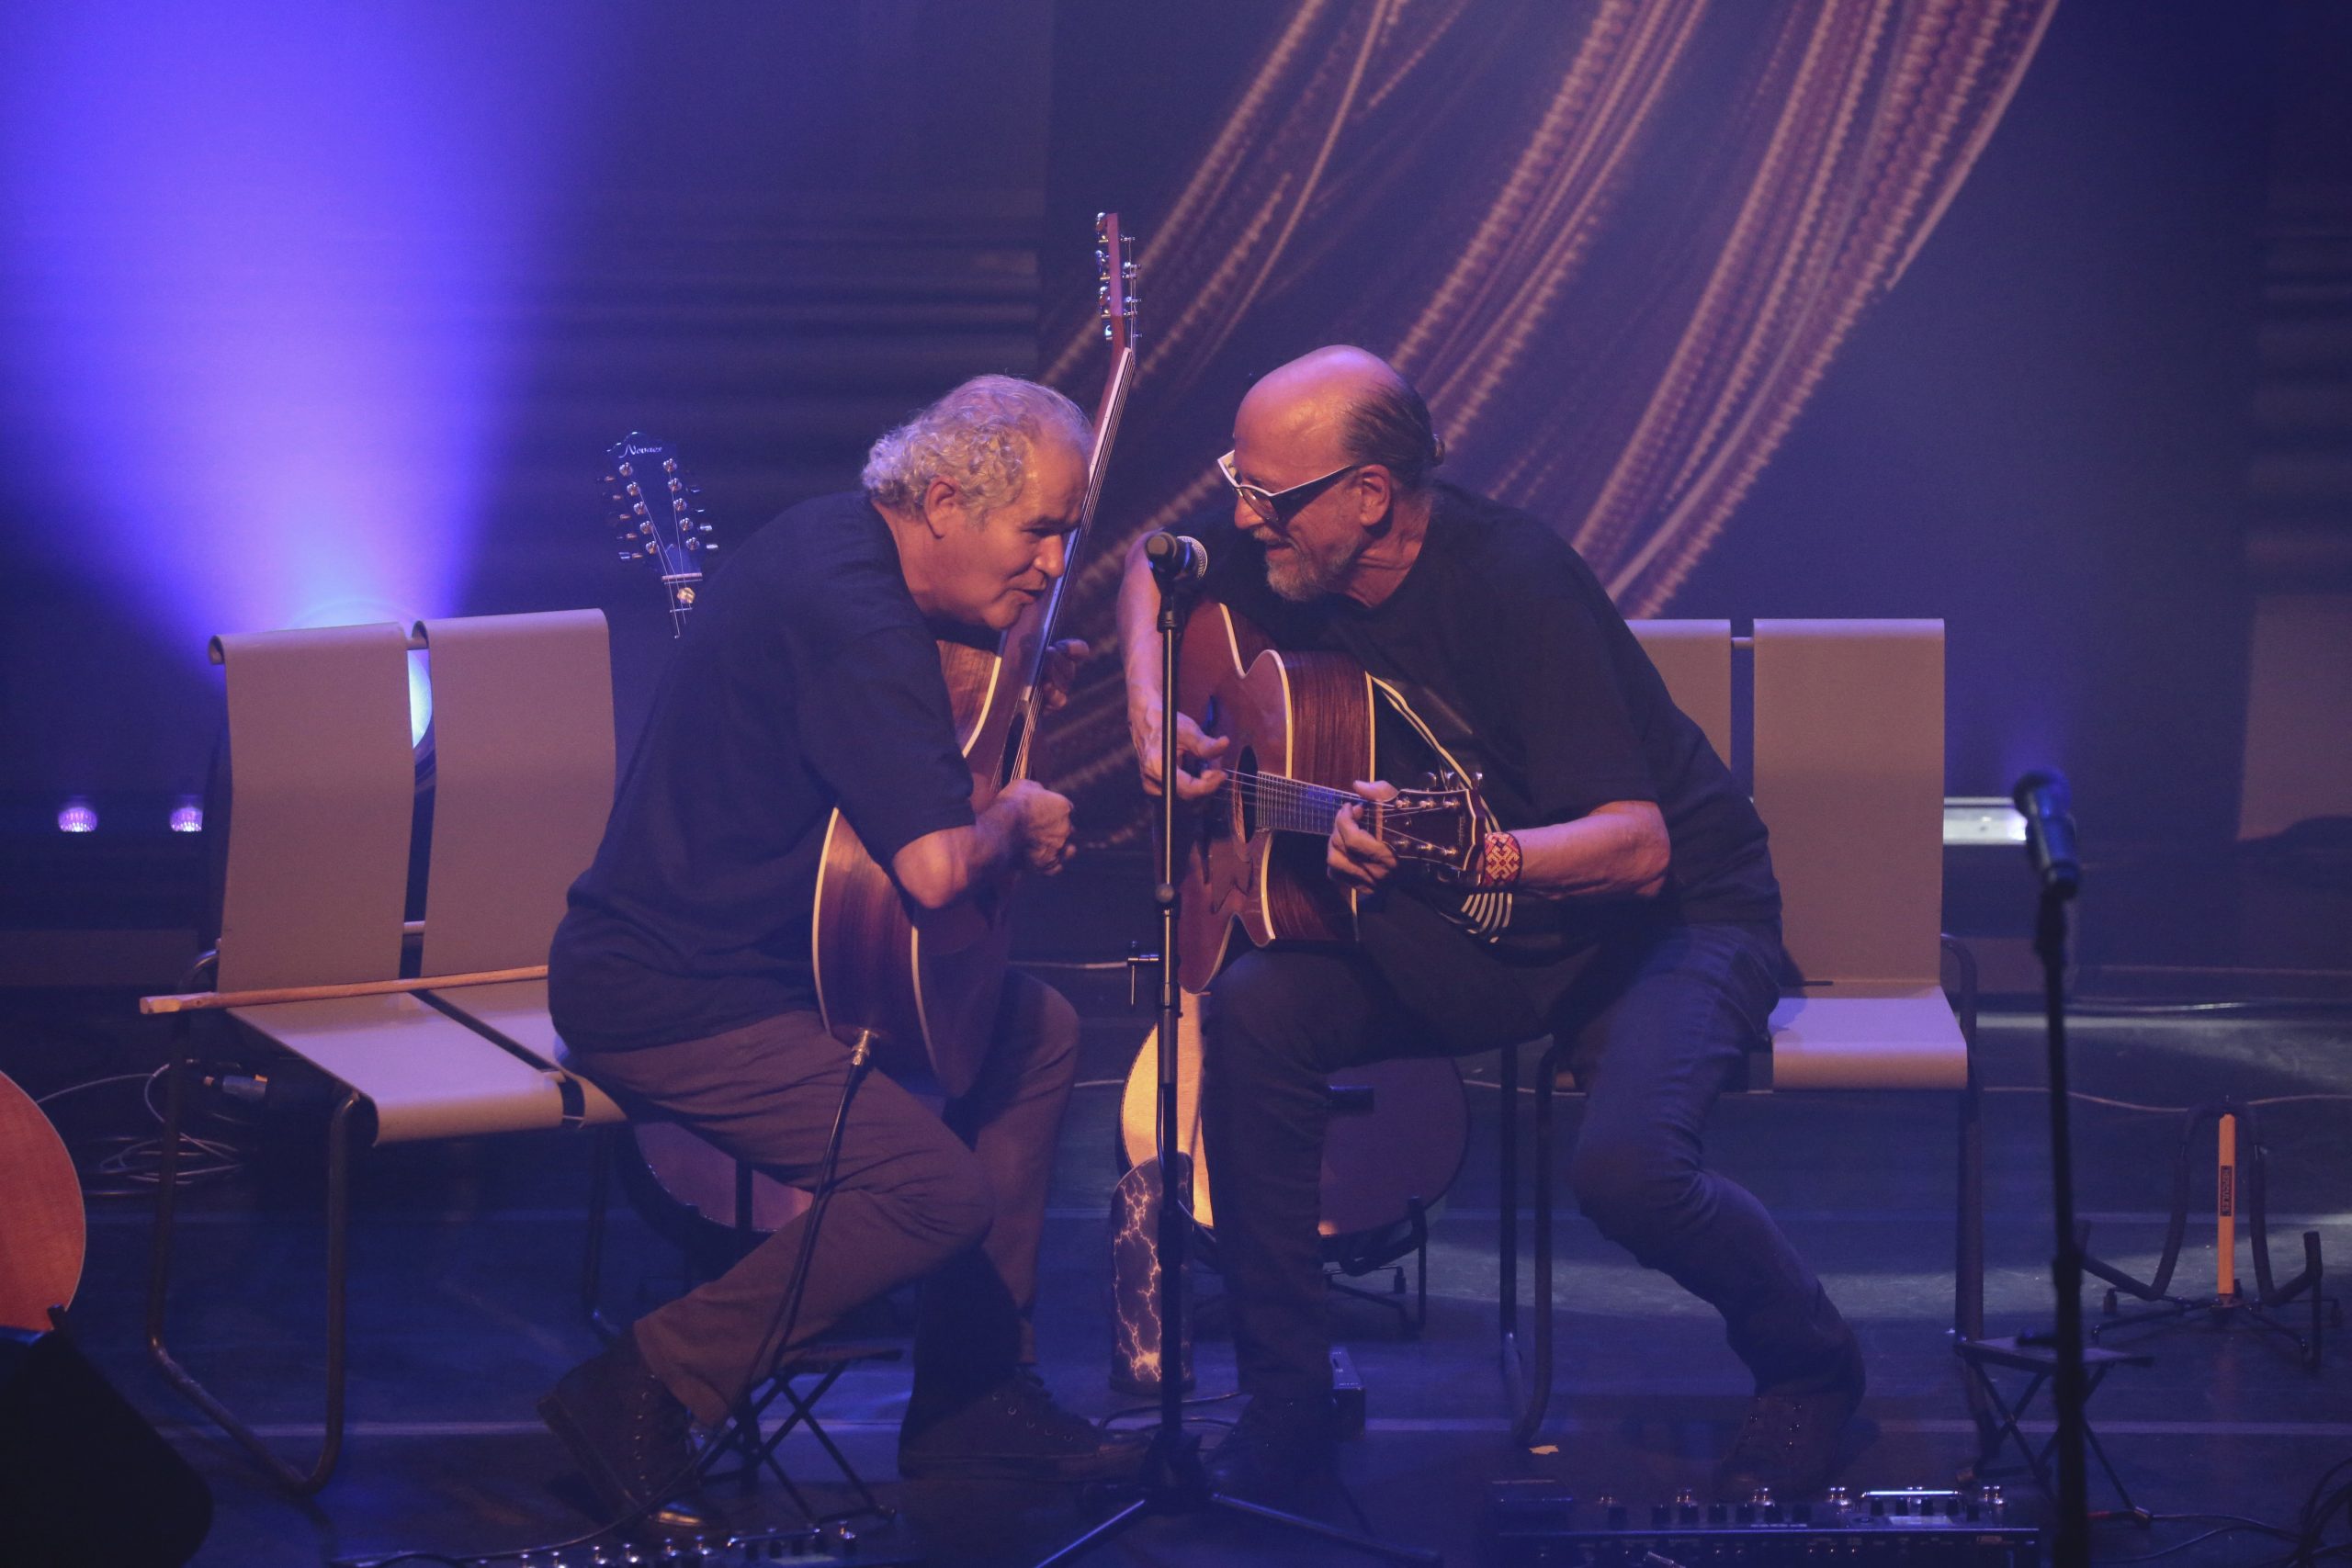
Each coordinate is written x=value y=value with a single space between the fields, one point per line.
x=1498 y=862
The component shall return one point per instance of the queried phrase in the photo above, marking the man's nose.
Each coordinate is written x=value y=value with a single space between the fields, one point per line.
x=1054 y=557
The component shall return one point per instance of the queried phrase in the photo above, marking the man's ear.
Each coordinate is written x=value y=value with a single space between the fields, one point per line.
x=943 y=507
x=1376 y=494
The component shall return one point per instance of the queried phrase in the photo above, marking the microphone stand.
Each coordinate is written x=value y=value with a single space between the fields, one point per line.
x=1173 y=1480
x=2069 y=1392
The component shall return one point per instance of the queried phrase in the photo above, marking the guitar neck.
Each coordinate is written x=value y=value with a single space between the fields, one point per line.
x=1294 y=805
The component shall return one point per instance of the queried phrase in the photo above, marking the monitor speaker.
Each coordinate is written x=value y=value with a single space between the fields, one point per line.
x=83 y=1478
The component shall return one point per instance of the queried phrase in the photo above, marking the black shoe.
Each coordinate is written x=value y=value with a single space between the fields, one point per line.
x=1013 y=1432
x=627 y=1432
x=1789 y=1442
x=1275 y=1450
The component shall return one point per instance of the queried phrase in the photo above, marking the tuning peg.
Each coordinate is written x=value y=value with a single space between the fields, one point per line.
x=669 y=464
x=627 y=469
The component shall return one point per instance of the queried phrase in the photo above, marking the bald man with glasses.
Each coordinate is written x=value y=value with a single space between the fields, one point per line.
x=1624 y=902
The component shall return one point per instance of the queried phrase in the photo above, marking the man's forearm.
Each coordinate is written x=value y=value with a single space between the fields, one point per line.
x=1618 y=848
x=943 y=868
x=1139 y=623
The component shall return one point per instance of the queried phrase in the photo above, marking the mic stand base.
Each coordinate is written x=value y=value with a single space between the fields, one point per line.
x=1175 y=1483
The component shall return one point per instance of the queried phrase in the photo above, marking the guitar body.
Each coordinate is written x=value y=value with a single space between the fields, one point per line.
x=927 y=991
x=42 y=1239
x=1407 y=1145
x=1302 y=717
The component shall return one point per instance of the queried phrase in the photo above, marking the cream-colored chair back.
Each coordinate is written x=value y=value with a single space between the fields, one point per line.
x=1849 y=760
x=324 y=791
x=1693 y=657
x=523 y=781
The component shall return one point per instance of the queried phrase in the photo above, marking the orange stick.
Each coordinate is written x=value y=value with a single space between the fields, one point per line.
x=197 y=1001
x=2225 y=1209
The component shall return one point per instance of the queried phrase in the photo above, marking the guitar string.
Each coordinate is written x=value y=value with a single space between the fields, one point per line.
x=1287 y=803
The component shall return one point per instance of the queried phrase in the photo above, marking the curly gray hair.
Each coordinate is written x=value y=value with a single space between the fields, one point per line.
x=977 y=438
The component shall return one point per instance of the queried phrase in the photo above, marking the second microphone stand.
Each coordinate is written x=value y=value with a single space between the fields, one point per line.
x=1175 y=1480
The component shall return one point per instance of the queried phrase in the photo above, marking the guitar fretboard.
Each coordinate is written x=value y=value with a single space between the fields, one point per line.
x=1289 y=804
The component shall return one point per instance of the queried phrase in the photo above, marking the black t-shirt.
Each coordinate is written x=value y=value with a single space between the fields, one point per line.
x=807 y=680
x=1514 y=664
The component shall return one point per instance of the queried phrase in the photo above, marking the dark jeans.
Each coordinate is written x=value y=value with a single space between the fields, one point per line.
x=1656 y=1019
x=961 y=1201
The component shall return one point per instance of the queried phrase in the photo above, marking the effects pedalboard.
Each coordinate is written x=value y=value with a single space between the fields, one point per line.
x=831 y=1545
x=1539 y=1524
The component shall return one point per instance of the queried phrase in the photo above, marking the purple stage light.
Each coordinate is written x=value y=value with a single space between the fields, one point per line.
x=77 y=816
x=275 y=254
x=187 y=816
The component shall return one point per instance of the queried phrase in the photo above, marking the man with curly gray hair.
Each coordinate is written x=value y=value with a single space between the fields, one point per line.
x=978 y=436
x=682 y=976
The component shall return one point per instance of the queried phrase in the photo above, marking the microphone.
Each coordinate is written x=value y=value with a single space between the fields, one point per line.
x=2046 y=805
x=1176 y=557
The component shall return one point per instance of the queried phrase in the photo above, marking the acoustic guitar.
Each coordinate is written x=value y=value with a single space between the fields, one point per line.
x=1300 y=726
x=927 y=991
x=658 y=517
x=43 y=1236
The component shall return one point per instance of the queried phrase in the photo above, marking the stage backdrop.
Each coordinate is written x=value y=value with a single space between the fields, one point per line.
x=1615 y=244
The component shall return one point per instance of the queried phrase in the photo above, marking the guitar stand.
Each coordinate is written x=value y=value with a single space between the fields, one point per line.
x=1384 y=1253
x=2243 y=1189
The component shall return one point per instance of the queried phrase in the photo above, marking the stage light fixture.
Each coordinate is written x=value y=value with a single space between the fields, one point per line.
x=77 y=816
x=187 y=816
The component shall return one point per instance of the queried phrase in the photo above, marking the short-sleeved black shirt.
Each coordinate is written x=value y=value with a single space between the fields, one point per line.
x=1507 y=650
x=807 y=680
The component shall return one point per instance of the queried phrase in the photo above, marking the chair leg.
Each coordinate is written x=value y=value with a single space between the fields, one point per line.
x=1968 y=1270
x=592 y=1261
x=804 y=1413
x=301 y=1483
x=1539 y=1398
x=1506 y=1210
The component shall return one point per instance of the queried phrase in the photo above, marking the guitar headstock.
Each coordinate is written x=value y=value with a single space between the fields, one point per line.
x=659 y=516
x=1114 y=282
x=1437 y=827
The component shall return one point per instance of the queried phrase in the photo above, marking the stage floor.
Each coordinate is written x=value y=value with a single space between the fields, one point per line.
x=465 y=1260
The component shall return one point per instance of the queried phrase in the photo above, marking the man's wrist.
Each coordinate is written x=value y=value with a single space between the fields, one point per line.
x=1500 y=861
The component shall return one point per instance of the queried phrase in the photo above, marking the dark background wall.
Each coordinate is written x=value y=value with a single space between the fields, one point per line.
x=2043 y=435
x=769 y=231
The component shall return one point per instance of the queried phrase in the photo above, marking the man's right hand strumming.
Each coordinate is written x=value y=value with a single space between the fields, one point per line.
x=1198 y=777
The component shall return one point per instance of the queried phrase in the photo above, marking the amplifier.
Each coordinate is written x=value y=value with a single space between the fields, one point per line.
x=1540 y=1524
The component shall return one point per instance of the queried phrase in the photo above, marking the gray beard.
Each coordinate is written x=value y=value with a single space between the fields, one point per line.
x=1302 y=579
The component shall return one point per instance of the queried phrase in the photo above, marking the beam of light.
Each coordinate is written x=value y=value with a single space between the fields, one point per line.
x=271 y=255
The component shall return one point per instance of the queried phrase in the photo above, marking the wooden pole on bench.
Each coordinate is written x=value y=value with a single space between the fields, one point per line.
x=194 y=1001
